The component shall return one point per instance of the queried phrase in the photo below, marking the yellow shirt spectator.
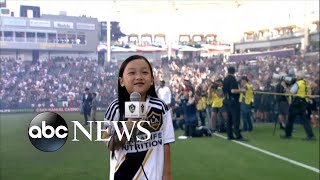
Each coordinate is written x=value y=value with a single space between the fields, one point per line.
x=247 y=96
x=202 y=103
x=217 y=99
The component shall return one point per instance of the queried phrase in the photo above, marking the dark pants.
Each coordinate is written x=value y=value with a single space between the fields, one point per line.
x=202 y=116
x=86 y=114
x=178 y=124
x=298 y=108
x=233 y=111
x=221 y=122
x=246 y=117
x=190 y=128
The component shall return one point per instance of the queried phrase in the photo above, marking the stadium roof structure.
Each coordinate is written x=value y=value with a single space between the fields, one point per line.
x=228 y=19
x=145 y=6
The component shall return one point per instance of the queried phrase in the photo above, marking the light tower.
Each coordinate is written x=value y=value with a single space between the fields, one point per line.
x=113 y=11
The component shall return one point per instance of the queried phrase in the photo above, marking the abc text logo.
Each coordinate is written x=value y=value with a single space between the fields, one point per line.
x=48 y=132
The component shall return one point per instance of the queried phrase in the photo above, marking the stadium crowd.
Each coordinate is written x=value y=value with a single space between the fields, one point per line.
x=55 y=82
x=260 y=74
x=60 y=81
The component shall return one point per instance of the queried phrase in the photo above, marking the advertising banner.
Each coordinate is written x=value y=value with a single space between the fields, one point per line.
x=86 y=26
x=63 y=25
x=37 y=23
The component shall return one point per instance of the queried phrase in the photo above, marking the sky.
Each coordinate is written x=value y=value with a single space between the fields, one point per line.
x=173 y=17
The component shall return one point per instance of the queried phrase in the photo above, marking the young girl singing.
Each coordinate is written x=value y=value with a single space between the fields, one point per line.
x=140 y=159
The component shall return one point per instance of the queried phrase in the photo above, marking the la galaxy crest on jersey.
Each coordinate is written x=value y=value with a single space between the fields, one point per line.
x=155 y=114
x=155 y=120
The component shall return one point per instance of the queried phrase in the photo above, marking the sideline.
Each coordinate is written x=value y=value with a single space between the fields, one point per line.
x=273 y=154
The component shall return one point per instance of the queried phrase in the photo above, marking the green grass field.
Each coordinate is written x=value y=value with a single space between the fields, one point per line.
x=196 y=158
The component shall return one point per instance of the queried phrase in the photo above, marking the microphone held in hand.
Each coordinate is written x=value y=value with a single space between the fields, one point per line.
x=135 y=111
x=135 y=96
x=135 y=108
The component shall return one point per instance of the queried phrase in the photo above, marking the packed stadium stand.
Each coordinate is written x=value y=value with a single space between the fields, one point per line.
x=47 y=61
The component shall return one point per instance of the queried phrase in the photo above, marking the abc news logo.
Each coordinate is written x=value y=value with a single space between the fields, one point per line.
x=48 y=131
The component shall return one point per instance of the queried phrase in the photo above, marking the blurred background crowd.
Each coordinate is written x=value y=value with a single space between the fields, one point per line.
x=60 y=81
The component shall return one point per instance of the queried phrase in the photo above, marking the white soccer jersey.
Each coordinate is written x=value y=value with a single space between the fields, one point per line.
x=126 y=163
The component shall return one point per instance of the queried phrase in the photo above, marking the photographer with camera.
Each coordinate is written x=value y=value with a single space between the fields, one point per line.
x=283 y=103
x=298 y=106
x=216 y=95
x=186 y=100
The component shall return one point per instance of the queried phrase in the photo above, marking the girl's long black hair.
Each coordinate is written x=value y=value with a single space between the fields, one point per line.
x=123 y=94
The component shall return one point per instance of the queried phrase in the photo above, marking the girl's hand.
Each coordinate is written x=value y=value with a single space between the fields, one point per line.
x=130 y=124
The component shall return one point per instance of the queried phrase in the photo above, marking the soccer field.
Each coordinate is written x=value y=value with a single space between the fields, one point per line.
x=195 y=159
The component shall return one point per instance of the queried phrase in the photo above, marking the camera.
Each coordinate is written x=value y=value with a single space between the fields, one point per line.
x=214 y=86
x=288 y=79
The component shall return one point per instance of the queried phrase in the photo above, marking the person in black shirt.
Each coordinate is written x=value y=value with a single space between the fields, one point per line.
x=283 y=105
x=231 y=93
x=266 y=103
x=86 y=105
x=178 y=118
